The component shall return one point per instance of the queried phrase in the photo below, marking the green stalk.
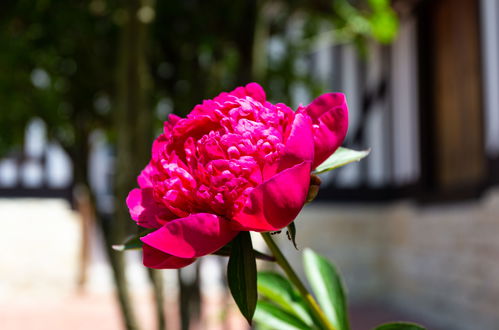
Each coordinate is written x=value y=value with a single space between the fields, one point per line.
x=286 y=267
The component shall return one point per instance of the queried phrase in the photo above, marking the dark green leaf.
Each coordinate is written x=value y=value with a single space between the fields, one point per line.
x=241 y=274
x=133 y=242
x=327 y=287
x=292 y=233
x=279 y=290
x=263 y=256
x=226 y=251
x=341 y=157
x=275 y=318
x=400 y=326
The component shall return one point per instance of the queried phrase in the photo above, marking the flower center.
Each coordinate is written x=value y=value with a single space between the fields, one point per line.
x=215 y=157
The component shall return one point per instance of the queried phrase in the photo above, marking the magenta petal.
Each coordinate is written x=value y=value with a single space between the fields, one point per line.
x=156 y=259
x=173 y=119
x=300 y=143
x=145 y=210
x=275 y=203
x=329 y=114
x=253 y=90
x=193 y=236
x=144 y=179
x=256 y=91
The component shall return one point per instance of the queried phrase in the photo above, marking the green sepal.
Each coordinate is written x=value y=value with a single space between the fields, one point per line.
x=292 y=234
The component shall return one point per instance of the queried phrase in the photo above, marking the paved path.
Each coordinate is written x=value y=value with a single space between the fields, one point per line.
x=39 y=251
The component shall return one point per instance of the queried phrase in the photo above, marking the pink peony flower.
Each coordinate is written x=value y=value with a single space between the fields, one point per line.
x=236 y=163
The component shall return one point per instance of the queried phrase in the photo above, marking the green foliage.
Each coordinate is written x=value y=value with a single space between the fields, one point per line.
x=280 y=291
x=400 y=326
x=133 y=242
x=328 y=289
x=341 y=157
x=56 y=60
x=273 y=317
x=372 y=19
x=281 y=306
x=59 y=58
x=226 y=251
x=241 y=275
x=383 y=21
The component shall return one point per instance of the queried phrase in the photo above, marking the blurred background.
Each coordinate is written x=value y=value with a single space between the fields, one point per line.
x=86 y=85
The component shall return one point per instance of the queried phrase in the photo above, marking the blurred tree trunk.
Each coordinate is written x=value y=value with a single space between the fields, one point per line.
x=134 y=136
x=157 y=285
x=82 y=195
x=190 y=295
x=246 y=41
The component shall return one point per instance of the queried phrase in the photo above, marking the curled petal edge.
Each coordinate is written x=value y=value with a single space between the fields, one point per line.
x=329 y=114
x=193 y=236
x=156 y=259
x=275 y=203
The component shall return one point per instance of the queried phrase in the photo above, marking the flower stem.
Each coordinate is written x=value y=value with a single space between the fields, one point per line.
x=286 y=267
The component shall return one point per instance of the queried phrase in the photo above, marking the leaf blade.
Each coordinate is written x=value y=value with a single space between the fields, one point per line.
x=400 y=326
x=327 y=286
x=280 y=291
x=133 y=242
x=274 y=317
x=241 y=275
x=226 y=251
x=342 y=157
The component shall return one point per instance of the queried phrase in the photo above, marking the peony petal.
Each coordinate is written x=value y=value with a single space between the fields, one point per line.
x=300 y=143
x=329 y=114
x=156 y=259
x=145 y=210
x=173 y=118
x=145 y=178
x=256 y=92
x=275 y=203
x=193 y=236
x=253 y=90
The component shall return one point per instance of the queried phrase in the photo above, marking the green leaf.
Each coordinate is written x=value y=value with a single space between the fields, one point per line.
x=224 y=251
x=241 y=274
x=326 y=284
x=341 y=157
x=384 y=26
x=292 y=234
x=279 y=290
x=275 y=318
x=133 y=242
x=383 y=21
x=227 y=250
x=400 y=326
x=379 y=5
